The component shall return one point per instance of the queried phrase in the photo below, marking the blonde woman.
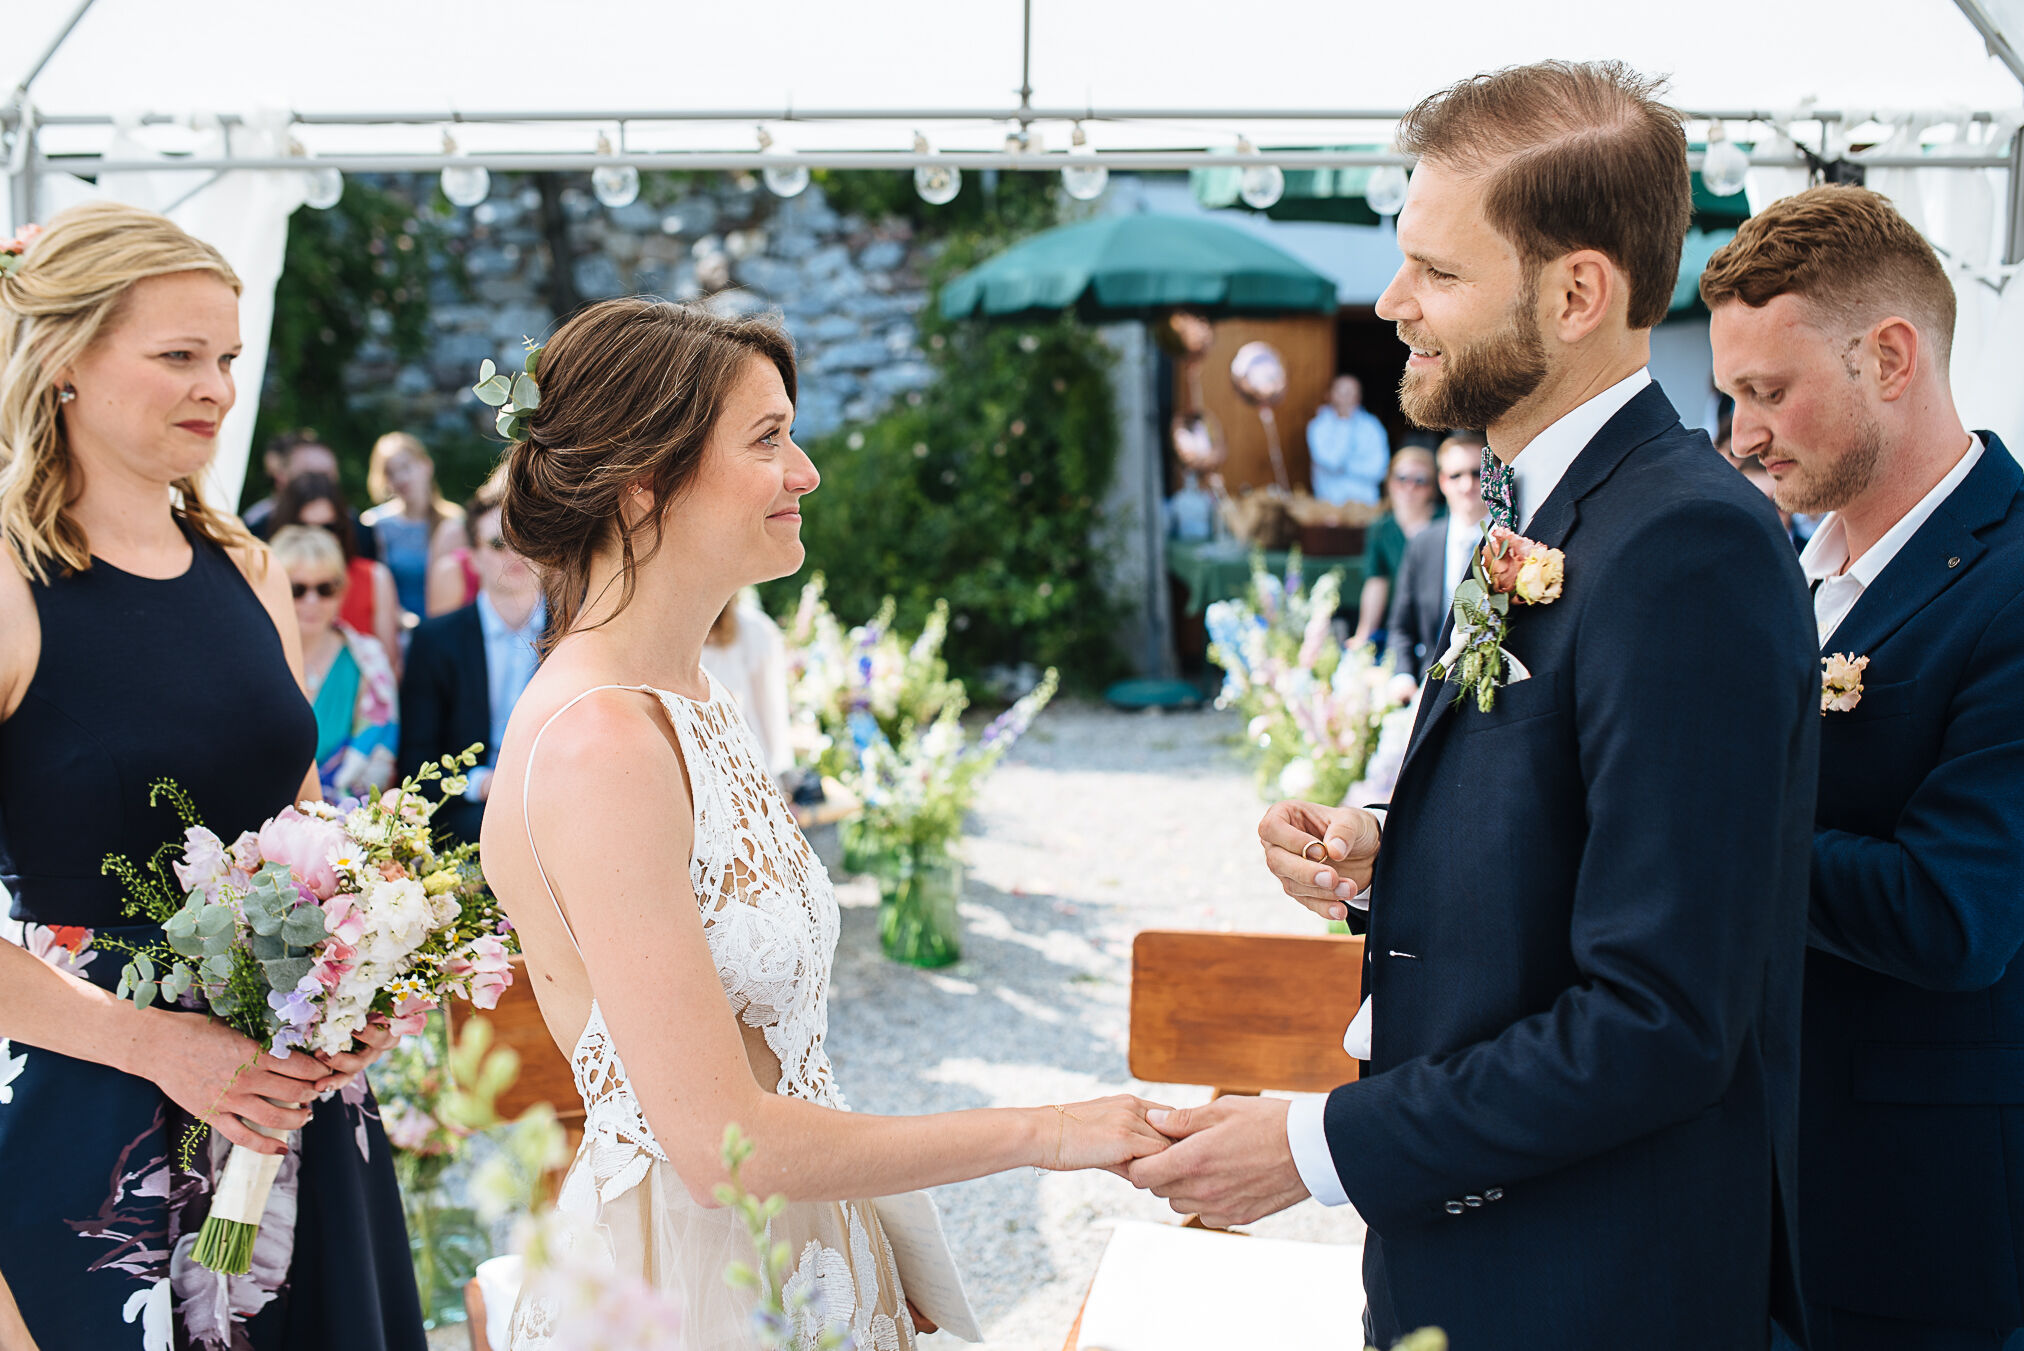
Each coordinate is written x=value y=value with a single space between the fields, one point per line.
x=1414 y=503
x=350 y=681
x=412 y=516
x=145 y=635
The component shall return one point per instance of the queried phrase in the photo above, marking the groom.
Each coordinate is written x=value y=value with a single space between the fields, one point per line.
x=1588 y=901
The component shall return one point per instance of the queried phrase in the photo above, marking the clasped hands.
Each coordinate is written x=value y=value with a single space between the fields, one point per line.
x=1229 y=1160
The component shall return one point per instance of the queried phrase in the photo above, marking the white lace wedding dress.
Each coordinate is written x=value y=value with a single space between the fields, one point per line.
x=770 y=915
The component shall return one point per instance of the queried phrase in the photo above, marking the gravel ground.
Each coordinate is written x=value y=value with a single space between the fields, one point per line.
x=1098 y=824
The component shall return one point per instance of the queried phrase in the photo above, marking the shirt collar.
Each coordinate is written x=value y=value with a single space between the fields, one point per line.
x=494 y=624
x=1826 y=554
x=1545 y=460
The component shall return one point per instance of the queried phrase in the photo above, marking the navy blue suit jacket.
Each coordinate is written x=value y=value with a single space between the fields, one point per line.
x=446 y=705
x=1911 y=1158
x=1587 y=933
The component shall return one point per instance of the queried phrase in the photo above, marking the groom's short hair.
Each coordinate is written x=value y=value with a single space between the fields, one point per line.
x=1848 y=254
x=1578 y=155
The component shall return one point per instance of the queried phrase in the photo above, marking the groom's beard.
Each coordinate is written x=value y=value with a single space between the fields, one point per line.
x=1480 y=383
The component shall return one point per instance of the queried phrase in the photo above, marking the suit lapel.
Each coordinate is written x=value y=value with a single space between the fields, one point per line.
x=1648 y=414
x=1942 y=550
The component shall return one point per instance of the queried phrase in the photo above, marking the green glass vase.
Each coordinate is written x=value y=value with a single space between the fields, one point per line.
x=917 y=908
x=866 y=852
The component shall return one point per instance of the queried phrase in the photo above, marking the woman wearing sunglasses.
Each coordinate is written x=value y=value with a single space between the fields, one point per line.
x=350 y=682
x=1409 y=489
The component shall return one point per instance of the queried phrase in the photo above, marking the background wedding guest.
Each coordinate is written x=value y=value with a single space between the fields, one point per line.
x=292 y=455
x=1437 y=559
x=1347 y=446
x=1414 y=505
x=746 y=654
x=371 y=604
x=410 y=517
x=466 y=669
x=1832 y=321
x=349 y=679
x=150 y=637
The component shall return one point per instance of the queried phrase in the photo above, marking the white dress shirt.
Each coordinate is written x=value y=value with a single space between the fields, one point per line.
x=1537 y=471
x=1462 y=541
x=1837 y=583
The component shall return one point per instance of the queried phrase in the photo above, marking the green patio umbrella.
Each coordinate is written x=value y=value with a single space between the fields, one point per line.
x=1137 y=267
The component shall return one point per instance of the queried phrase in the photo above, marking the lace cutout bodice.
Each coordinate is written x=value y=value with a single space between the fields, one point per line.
x=770 y=917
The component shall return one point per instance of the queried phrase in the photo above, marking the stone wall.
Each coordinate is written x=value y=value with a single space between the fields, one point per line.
x=849 y=291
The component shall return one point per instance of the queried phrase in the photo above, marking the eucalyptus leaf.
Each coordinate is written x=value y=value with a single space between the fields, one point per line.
x=126 y=981
x=224 y=1003
x=266 y=947
x=217 y=945
x=494 y=391
x=285 y=973
x=145 y=965
x=486 y=370
x=533 y=359
x=216 y=919
x=145 y=992
x=217 y=967
x=186 y=944
x=304 y=927
x=526 y=396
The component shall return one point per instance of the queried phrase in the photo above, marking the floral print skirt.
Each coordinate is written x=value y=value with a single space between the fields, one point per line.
x=97 y=1220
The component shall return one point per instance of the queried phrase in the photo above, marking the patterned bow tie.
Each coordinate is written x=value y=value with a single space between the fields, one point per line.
x=1498 y=490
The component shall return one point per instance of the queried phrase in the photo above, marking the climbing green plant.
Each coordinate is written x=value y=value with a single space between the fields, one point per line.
x=984 y=488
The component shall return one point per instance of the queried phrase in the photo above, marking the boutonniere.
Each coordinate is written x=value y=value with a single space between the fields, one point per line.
x=1507 y=568
x=1841 y=682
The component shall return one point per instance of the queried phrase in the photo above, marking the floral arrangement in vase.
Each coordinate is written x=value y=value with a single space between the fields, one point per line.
x=1324 y=720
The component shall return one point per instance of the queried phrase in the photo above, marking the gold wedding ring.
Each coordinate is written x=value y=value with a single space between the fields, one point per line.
x=1315 y=852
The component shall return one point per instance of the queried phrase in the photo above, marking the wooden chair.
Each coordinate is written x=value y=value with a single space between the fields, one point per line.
x=1242 y=1013
x=544 y=1077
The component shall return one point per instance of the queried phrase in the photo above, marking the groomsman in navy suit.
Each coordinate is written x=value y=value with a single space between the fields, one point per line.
x=1579 y=1121
x=1832 y=320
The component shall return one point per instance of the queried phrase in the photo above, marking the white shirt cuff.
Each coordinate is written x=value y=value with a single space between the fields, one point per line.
x=1308 y=1139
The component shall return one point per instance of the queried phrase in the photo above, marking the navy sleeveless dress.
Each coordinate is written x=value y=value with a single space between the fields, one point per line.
x=142 y=679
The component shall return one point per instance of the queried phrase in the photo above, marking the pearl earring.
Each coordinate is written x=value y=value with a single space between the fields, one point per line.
x=66 y=395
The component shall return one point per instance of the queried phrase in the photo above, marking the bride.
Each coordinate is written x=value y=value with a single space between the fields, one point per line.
x=678 y=930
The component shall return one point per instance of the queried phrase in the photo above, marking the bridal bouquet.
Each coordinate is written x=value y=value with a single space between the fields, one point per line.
x=1316 y=708
x=298 y=934
x=849 y=689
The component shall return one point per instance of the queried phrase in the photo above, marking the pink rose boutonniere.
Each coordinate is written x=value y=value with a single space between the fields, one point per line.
x=1841 y=682
x=1507 y=569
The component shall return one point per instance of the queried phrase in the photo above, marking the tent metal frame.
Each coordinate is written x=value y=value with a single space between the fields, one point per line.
x=22 y=124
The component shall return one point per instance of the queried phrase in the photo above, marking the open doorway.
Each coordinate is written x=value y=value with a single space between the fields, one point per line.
x=1368 y=348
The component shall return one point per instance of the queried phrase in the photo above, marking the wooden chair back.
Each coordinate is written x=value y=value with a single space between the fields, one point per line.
x=1244 y=1013
x=544 y=1070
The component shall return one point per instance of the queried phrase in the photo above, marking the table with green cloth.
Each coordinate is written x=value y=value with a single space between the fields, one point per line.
x=1211 y=573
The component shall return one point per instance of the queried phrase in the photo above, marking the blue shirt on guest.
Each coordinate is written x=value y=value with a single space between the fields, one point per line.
x=1348 y=455
x=510 y=659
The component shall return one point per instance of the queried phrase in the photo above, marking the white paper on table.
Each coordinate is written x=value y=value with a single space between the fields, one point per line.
x=928 y=1275
x=1164 y=1288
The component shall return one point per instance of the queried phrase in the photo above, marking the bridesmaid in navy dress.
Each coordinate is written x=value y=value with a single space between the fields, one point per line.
x=144 y=636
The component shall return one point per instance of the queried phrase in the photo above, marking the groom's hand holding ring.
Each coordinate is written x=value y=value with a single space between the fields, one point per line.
x=1230 y=1161
x=1322 y=856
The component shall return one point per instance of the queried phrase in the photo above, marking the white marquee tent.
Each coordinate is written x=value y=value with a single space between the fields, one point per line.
x=150 y=102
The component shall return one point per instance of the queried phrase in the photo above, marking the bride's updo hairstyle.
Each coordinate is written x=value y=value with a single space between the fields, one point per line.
x=65 y=293
x=630 y=391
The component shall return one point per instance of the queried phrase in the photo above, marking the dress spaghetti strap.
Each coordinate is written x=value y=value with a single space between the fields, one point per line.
x=526 y=782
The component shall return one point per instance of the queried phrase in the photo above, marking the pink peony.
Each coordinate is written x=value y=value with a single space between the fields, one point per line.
x=333 y=963
x=341 y=916
x=305 y=844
